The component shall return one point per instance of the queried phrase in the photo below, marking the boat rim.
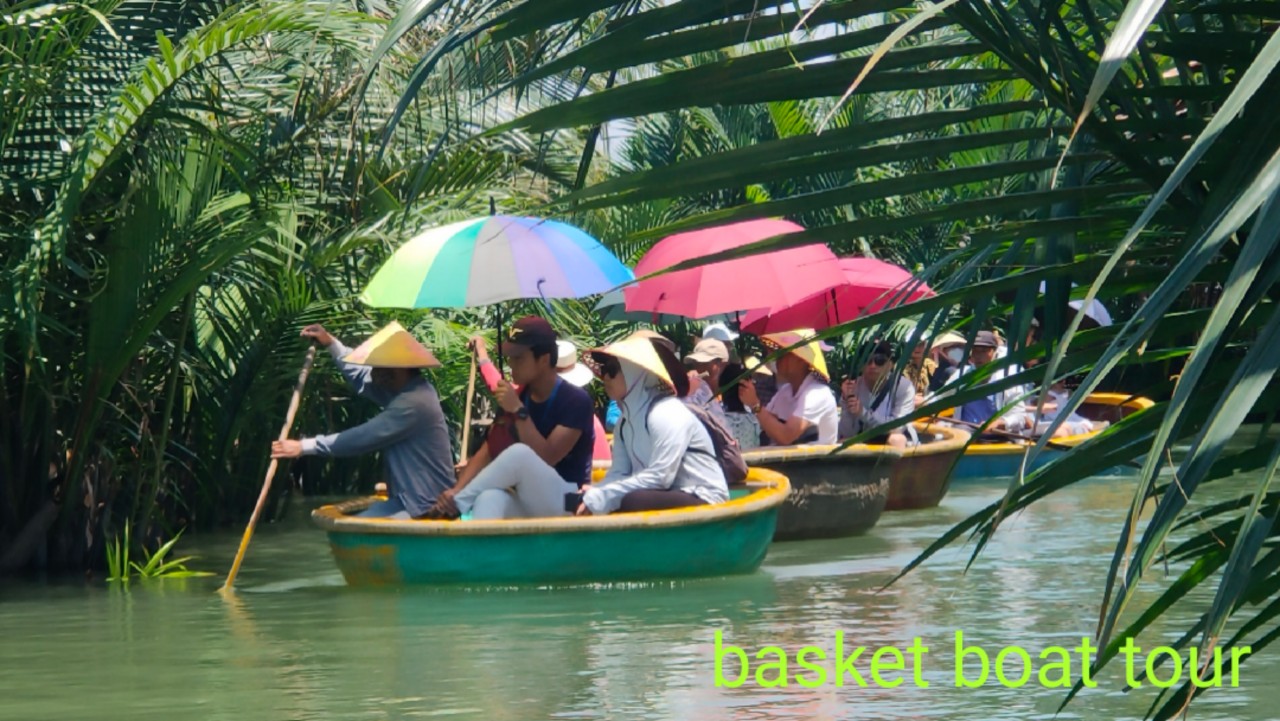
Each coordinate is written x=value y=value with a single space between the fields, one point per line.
x=768 y=490
x=774 y=454
x=1138 y=403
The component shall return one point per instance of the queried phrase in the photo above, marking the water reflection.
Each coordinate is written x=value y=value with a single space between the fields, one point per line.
x=294 y=643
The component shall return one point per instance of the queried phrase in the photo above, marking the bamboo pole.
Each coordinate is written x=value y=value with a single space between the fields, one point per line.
x=271 y=469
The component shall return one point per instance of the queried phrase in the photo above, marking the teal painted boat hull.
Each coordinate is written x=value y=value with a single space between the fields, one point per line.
x=1001 y=466
x=725 y=539
x=1002 y=461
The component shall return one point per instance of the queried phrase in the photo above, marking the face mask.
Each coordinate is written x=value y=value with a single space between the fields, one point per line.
x=955 y=355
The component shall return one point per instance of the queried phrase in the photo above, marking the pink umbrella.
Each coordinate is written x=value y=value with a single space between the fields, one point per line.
x=868 y=286
x=765 y=280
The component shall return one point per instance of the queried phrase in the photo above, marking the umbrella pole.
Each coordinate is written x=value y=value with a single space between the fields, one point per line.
x=499 y=342
x=737 y=342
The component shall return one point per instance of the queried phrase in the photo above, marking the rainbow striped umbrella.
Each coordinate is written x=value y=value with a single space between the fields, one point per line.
x=493 y=259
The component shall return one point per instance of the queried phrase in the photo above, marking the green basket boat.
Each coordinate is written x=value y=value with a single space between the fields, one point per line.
x=701 y=541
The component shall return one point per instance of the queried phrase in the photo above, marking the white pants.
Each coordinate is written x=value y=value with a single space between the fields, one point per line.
x=516 y=484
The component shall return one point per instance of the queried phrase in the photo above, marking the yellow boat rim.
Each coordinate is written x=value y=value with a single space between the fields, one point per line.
x=1131 y=403
x=768 y=489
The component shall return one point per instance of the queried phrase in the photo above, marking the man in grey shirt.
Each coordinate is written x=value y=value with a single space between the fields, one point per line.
x=410 y=431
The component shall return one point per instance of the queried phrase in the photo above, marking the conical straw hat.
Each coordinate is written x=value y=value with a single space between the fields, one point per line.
x=810 y=352
x=392 y=347
x=638 y=350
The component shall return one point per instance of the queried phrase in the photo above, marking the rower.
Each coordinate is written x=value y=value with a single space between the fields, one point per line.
x=410 y=432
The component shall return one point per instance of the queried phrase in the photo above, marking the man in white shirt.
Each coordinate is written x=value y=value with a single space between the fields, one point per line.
x=804 y=408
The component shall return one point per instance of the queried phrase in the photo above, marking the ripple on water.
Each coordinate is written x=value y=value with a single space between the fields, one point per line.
x=295 y=643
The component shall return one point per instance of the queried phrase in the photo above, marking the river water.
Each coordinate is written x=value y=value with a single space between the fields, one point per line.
x=296 y=643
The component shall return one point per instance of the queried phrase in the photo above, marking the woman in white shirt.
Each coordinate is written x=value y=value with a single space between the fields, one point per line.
x=804 y=408
x=662 y=454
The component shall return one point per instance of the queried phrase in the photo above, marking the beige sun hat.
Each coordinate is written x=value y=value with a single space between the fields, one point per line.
x=708 y=350
x=392 y=347
x=754 y=365
x=949 y=338
x=638 y=350
x=810 y=352
x=567 y=364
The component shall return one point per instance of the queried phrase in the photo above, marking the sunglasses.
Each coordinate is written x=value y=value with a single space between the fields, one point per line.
x=878 y=359
x=610 y=368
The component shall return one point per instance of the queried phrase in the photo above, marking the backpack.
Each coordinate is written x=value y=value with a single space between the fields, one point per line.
x=723 y=445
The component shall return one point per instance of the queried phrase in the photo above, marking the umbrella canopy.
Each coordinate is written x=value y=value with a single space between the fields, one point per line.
x=493 y=259
x=866 y=286
x=613 y=306
x=763 y=280
x=1095 y=312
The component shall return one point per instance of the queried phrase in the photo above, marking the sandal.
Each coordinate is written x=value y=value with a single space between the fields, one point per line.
x=439 y=512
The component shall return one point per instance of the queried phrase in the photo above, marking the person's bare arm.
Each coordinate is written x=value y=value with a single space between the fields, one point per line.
x=782 y=433
x=551 y=449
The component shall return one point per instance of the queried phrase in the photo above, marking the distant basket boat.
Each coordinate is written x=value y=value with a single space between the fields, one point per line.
x=716 y=540
x=923 y=475
x=1003 y=460
x=832 y=494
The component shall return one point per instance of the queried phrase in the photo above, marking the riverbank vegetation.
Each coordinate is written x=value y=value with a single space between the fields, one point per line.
x=188 y=183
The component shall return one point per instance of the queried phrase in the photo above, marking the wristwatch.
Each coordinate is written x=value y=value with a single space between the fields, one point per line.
x=756 y=409
x=522 y=413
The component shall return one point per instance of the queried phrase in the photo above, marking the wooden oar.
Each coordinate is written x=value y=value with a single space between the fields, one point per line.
x=271 y=469
x=466 y=415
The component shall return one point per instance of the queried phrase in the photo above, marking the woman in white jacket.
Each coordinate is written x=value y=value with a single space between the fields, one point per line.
x=662 y=454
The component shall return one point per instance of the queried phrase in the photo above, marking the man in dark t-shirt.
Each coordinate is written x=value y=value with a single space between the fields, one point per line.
x=539 y=450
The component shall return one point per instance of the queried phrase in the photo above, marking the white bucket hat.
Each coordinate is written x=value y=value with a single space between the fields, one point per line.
x=568 y=366
x=719 y=331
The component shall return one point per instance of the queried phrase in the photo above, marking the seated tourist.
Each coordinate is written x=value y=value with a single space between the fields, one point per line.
x=707 y=363
x=878 y=396
x=920 y=370
x=1075 y=424
x=979 y=411
x=804 y=409
x=539 y=450
x=662 y=454
x=947 y=351
x=569 y=368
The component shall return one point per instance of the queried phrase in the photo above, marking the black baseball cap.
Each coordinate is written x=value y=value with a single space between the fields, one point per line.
x=528 y=333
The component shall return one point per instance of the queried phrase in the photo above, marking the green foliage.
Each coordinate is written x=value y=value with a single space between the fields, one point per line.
x=1130 y=150
x=230 y=177
x=154 y=564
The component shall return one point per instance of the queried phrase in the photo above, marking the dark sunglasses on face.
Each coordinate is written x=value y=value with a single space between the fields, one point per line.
x=878 y=359
x=610 y=368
